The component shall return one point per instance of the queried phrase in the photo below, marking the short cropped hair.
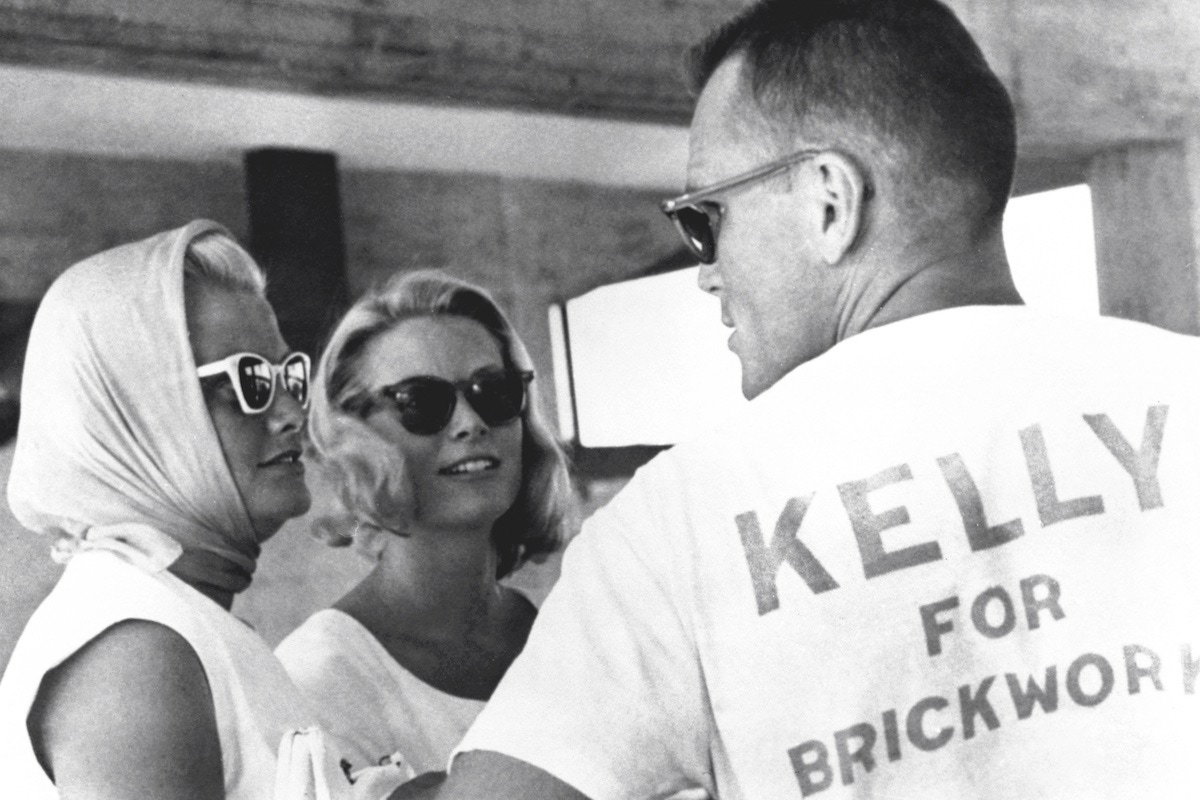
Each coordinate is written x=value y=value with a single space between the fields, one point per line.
x=216 y=260
x=370 y=476
x=905 y=74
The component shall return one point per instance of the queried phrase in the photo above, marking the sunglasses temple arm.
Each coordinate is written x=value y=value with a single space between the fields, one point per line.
x=691 y=198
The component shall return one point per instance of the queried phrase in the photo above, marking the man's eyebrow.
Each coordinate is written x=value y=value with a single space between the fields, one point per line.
x=702 y=169
x=691 y=185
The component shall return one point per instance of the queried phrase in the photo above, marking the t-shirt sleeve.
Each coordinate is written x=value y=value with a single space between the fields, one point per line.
x=607 y=695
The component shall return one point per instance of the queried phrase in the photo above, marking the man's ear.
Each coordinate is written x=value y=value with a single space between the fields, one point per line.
x=842 y=189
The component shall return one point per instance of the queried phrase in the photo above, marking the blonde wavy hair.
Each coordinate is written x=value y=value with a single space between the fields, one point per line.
x=370 y=474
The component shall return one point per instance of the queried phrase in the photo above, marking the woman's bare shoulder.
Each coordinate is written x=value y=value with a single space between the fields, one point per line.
x=130 y=714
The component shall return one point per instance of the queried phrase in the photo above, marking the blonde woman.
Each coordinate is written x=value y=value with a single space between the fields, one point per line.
x=422 y=408
x=159 y=444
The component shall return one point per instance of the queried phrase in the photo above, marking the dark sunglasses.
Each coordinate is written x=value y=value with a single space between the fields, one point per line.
x=426 y=404
x=253 y=378
x=697 y=218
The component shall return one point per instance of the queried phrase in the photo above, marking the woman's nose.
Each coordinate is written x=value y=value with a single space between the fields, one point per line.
x=465 y=421
x=286 y=414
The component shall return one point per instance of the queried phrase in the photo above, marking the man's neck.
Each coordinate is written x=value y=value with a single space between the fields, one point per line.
x=976 y=275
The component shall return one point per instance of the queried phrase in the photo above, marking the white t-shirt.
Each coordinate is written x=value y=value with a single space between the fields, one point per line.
x=254 y=701
x=954 y=557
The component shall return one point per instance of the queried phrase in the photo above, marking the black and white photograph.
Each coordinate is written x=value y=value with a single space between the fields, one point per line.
x=599 y=399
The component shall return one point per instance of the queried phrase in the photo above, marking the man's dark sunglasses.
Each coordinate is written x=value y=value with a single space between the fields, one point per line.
x=426 y=404
x=697 y=218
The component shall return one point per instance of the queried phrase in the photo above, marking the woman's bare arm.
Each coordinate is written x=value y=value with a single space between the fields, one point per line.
x=129 y=716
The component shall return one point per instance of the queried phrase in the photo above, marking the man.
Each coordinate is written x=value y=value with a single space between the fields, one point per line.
x=949 y=550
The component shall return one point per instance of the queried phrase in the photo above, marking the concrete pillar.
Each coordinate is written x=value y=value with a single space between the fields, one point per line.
x=296 y=235
x=1146 y=207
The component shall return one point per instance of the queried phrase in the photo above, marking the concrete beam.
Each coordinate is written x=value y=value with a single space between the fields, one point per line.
x=1088 y=76
x=620 y=61
x=51 y=110
x=1085 y=75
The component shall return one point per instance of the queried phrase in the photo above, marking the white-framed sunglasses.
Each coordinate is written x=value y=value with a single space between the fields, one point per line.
x=253 y=378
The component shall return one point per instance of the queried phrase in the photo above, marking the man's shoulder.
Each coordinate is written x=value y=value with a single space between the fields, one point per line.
x=941 y=380
x=901 y=373
x=994 y=341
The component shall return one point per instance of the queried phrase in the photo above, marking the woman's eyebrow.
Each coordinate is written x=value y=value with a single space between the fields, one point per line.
x=491 y=369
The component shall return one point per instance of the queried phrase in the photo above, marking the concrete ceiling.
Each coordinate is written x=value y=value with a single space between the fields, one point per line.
x=108 y=115
x=1085 y=74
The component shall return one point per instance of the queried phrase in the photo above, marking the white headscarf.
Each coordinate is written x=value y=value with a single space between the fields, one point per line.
x=115 y=445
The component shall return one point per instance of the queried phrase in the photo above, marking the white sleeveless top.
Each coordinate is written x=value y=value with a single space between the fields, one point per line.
x=255 y=701
x=374 y=705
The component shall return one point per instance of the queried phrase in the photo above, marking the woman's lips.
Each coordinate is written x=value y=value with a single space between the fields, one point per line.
x=286 y=458
x=474 y=465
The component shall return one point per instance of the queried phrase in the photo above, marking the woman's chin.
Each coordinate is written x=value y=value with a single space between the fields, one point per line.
x=268 y=523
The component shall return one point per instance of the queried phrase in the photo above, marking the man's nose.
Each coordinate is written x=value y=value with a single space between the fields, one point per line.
x=709 y=279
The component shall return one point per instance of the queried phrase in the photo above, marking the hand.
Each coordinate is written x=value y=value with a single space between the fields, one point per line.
x=422 y=787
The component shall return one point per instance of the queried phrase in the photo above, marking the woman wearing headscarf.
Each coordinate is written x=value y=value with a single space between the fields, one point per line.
x=422 y=406
x=159 y=445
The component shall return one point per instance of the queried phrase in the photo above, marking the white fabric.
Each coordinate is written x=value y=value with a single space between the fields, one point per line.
x=140 y=545
x=304 y=766
x=790 y=606
x=362 y=694
x=254 y=701
x=311 y=766
x=113 y=426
